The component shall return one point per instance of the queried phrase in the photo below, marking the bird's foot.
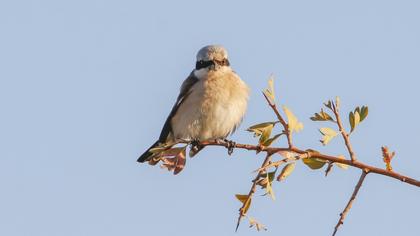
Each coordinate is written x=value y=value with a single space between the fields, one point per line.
x=230 y=146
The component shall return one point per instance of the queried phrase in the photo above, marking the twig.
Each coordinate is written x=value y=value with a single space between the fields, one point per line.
x=336 y=159
x=253 y=188
x=282 y=121
x=343 y=132
x=350 y=203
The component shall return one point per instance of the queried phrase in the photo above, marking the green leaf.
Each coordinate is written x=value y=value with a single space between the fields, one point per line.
x=269 y=188
x=328 y=135
x=364 y=113
x=270 y=141
x=265 y=135
x=351 y=120
x=328 y=104
x=313 y=163
x=286 y=171
x=258 y=129
x=354 y=119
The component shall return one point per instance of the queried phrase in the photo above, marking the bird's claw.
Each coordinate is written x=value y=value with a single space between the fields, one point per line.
x=230 y=146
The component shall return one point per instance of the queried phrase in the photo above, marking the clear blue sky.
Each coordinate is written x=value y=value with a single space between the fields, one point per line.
x=85 y=87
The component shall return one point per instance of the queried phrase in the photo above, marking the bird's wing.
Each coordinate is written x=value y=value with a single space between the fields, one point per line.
x=183 y=94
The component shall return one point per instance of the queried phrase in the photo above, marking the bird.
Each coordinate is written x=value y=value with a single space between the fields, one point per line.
x=211 y=104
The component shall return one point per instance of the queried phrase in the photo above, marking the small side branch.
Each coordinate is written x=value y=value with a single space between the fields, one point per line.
x=282 y=121
x=350 y=203
x=343 y=132
x=253 y=189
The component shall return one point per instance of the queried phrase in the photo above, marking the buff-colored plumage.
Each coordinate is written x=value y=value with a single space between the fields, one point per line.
x=214 y=108
x=211 y=103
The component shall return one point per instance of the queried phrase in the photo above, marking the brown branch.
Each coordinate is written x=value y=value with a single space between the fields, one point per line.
x=253 y=188
x=350 y=203
x=336 y=159
x=282 y=121
x=343 y=132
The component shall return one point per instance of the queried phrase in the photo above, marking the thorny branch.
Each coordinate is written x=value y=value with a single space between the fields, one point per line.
x=334 y=159
x=253 y=188
x=311 y=154
x=343 y=132
x=299 y=154
x=350 y=203
x=282 y=121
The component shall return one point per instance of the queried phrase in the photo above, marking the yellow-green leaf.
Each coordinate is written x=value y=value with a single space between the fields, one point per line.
x=328 y=135
x=356 y=119
x=258 y=129
x=266 y=132
x=245 y=200
x=269 y=92
x=286 y=171
x=270 y=141
x=313 y=163
x=342 y=166
x=269 y=189
x=271 y=176
x=363 y=113
x=293 y=123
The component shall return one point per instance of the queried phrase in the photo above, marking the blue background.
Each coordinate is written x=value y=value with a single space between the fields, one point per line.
x=85 y=87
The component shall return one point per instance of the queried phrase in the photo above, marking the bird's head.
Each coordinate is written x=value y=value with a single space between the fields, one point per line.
x=212 y=57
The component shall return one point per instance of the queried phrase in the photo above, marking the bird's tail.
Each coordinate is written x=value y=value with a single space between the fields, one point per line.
x=147 y=154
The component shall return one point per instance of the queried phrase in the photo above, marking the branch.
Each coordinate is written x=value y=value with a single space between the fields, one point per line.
x=344 y=133
x=336 y=159
x=282 y=121
x=253 y=188
x=350 y=203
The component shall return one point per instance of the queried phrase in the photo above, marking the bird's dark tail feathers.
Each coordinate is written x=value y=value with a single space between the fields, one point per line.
x=147 y=154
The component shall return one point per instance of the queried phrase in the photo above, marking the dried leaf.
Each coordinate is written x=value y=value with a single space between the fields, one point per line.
x=328 y=135
x=293 y=124
x=286 y=171
x=246 y=202
x=387 y=157
x=256 y=224
x=322 y=116
x=288 y=154
x=177 y=162
x=337 y=102
x=181 y=160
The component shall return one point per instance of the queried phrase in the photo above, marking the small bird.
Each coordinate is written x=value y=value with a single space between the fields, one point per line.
x=211 y=103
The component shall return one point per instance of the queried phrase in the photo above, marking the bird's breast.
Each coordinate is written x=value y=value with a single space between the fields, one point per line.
x=213 y=109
